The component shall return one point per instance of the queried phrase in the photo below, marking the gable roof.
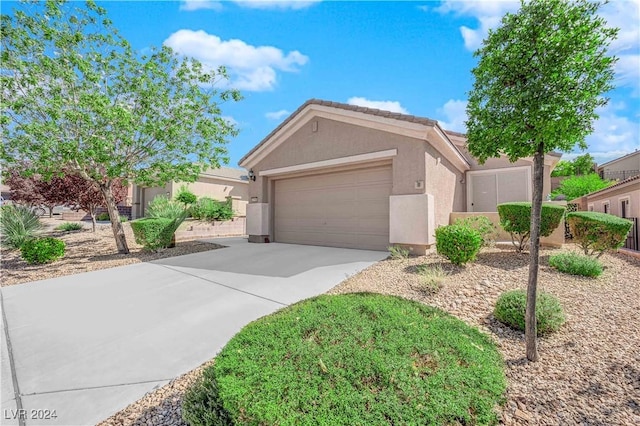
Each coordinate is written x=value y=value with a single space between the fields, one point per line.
x=338 y=108
x=615 y=160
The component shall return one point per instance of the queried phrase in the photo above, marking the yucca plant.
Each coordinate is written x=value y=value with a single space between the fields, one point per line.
x=18 y=224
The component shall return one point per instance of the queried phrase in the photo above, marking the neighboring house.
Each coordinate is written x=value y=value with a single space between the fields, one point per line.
x=218 y=184
x=621 y=168
x=620 y=199
x=340 y=175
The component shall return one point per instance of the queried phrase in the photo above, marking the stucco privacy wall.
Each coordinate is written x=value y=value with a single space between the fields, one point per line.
x=556 y=239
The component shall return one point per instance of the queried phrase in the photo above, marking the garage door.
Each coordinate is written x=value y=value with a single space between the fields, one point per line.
x=343 y=209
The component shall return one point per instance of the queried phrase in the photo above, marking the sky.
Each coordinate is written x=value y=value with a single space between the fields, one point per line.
x=412 y=57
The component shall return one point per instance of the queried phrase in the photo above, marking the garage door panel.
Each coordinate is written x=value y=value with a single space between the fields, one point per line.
x=342 y=209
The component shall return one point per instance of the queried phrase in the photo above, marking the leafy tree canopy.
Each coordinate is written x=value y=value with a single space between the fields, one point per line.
x=581 y=165
x=539 y=80
x=577 y=186
x=75 y=94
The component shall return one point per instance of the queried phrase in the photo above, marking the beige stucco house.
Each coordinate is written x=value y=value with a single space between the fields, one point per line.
x=621 y=168
x=218 y=184
x=340 y=175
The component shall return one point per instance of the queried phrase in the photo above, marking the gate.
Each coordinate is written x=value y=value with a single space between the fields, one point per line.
x=632 y=241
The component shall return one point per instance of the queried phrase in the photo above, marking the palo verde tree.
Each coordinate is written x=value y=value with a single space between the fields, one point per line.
x=75 y=94
x=539 y=79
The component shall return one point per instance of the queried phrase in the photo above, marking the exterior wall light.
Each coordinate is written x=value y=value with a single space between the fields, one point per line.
x=252 y=176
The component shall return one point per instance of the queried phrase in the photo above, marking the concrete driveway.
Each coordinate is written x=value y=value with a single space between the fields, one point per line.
x=87 y=345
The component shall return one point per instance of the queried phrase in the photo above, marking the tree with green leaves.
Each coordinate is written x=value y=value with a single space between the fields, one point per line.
x=581 y=165
x=538 y=82
x=579 y=185
x=75 y=94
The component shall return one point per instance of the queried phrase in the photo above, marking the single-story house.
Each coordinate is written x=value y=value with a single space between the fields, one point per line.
x=219 y=184
x=621 y=168
x=340 y=175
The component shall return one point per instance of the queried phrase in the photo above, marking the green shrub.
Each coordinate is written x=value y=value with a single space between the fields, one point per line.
x=598 y=232
x=483 y=225
x=185 y=196
x=124 y=218
x=361 y=359
x=104 y=216
x=17 y=225
x=460 y=244
x=42 y=250
x=163 y=207
x=515 y=218
x=155 y=233
x=398 y=252
x=574 y=264
x=209 y=209
x=69 y=226
x=510 y=310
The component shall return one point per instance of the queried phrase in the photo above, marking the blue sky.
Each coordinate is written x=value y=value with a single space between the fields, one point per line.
x=413 y=57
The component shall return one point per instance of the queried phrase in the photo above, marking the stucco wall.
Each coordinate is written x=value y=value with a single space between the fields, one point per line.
x=615 y=170
x=335 y=140
x=614 y=196
x=443 y=181
x=218 y=189
x=556 y=239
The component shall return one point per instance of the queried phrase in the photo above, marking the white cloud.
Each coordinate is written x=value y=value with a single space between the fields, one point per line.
x=613 y=132
x=229 y=119
x=393 y=106
x=277 y=115
x=455 y=113
x=623 y=14
x=251 y=68
x=191 y=5
x=276 y=4
x=488 y=13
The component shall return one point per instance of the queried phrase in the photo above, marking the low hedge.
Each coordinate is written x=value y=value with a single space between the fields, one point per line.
x=511 y=307
x=575 y=264
x=155 y=233
x=361 y=359
x=598 y=232
x=42 y=250
x=515 y=218
x=209 y=209
x=458 y=243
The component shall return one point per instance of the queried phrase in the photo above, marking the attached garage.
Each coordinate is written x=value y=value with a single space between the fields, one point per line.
x=340 y=209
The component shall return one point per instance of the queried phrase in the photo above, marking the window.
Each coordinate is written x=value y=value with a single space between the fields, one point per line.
x=605 y=207
x=624 y=207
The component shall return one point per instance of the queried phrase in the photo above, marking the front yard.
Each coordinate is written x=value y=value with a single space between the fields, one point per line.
x=588 y=373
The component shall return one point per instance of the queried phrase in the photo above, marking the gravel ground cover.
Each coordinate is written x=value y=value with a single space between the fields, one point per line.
x=589 y=372
x=86 y=251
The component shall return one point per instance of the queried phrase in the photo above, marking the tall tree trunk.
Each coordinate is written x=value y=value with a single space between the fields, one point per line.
x=114 y=216
x=534 y=239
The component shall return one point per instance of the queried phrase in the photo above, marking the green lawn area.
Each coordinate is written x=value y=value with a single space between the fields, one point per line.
x=352 y=359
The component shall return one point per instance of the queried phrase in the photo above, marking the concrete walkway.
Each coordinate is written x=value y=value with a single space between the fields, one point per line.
x=88 y=345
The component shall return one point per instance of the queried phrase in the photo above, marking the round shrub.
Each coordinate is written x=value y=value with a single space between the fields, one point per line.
x=460 y=244
x=575 y=264
x=515 y=218
x=155 y=233
x=352 y=359
x=511 y=306
x=42 y=250
x=598 y=232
